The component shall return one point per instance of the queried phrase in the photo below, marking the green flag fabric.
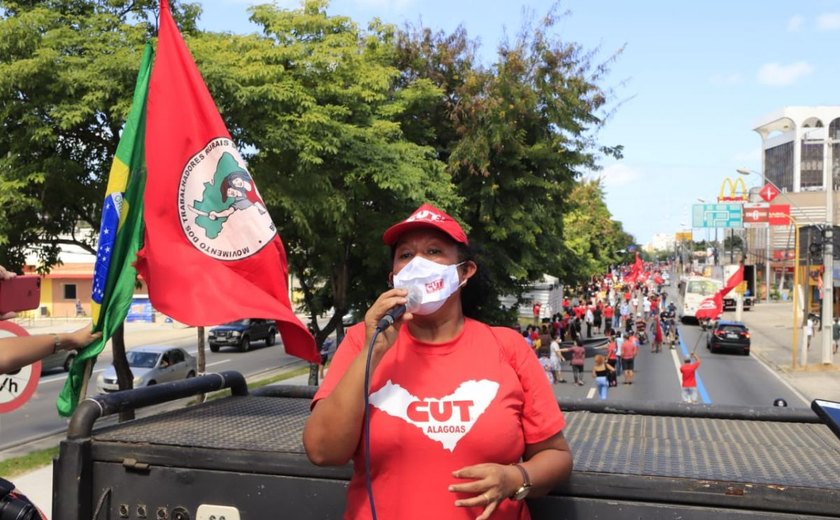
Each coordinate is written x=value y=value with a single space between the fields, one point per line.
x=120 y=237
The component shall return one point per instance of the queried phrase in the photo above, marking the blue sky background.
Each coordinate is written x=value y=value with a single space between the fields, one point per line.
x=694 y=79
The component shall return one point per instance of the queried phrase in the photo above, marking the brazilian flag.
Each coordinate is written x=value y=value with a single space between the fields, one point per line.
x=120 y=237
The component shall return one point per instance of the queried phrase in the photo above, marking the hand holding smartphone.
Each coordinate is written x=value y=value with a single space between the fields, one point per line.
x=829 y=412
x=20 y=293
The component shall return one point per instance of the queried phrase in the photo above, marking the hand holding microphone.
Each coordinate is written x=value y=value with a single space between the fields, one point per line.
x=413 y=300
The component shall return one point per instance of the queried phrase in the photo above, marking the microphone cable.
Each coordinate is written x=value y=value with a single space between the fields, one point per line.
x=366 y=427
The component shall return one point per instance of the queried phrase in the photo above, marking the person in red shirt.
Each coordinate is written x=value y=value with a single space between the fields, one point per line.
x=628 y=357
x=463 y=422
x=609 y=312
x=689 y=378
x=536 y=309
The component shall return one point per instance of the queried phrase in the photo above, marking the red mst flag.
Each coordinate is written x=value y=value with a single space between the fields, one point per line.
x=734 y=280
x=211 y=253
x=712 y=306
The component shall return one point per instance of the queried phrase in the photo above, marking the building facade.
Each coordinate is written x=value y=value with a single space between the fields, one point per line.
x=801 y=158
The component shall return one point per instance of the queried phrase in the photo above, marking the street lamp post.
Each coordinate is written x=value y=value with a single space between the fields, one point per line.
x=827 y=318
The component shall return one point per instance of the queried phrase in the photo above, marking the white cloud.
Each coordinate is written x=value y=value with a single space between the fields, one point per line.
x=795 y=23
x=726 y=80
x=619 y=174
x=828 y=21
x=778 y=75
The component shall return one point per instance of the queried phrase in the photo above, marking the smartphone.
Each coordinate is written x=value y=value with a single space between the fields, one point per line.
x=829 y=412
x=21 y=293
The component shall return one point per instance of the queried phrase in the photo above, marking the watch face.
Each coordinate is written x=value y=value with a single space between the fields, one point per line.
x=522 y=492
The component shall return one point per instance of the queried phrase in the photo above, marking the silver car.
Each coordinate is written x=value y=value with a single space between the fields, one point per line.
x=150 y=365
x=61 y=359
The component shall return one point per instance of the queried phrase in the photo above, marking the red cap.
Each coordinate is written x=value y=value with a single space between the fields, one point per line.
x=430 y=217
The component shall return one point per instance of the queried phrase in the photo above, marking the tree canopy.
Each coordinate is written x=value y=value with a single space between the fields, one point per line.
x=346 y=130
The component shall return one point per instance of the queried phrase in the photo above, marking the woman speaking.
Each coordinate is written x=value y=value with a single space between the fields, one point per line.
x=462 y=421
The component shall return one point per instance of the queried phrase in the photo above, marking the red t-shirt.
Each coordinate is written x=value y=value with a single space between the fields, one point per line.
x=630 y=348
x=436 y=408
x=611 y=350
x=688 y=374
x=608 y=312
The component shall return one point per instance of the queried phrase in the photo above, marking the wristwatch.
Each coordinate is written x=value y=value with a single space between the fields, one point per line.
x=525 y=488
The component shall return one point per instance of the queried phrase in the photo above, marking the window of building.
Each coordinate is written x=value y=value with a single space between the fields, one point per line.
x=811 y=166
x=778 y=165
x=70 y=291
x=834 y=133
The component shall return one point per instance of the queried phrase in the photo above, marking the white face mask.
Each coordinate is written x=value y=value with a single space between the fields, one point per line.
x=437 y=282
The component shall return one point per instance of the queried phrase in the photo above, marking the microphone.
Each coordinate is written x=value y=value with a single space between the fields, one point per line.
x=414 y=299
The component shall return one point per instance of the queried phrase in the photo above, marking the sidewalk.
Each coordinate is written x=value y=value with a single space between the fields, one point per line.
x=771 y=327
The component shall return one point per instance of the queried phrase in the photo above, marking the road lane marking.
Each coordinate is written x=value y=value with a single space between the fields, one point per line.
x=700 y=387
x=62 y=377
x=216 y=363
x=591 y=393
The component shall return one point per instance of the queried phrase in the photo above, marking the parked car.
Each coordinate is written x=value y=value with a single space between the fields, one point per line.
x=729 y=335
x=61 y=359
x=150 y=365
x=241 y=333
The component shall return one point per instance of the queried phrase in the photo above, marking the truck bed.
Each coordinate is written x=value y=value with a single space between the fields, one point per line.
x=632 y=460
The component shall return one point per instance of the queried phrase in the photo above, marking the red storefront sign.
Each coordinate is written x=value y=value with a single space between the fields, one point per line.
x=779 y=215
x=756 y=215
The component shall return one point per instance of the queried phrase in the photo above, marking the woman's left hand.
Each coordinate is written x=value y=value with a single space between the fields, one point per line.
x=490 y=483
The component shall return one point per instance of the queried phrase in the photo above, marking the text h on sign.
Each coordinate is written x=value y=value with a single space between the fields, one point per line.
x=732 y=190
x=17 y=387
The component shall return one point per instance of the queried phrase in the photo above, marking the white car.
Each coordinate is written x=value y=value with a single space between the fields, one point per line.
x=150 y=365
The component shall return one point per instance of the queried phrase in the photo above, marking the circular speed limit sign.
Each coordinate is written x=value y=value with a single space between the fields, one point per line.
x=17 y=387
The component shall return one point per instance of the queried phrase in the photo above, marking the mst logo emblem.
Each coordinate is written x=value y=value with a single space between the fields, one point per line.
x=219 y=208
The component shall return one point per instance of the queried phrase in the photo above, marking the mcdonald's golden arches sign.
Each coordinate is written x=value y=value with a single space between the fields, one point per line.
x=729 y=190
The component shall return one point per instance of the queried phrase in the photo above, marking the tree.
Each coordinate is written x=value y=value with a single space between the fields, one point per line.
x=516 y=138
x=317 y=101
x=67 y=71
x=591 y=234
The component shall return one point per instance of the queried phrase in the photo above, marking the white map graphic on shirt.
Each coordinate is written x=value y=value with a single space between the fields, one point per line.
x=446 y=419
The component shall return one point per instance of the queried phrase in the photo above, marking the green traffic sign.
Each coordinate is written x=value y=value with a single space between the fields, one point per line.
x=717 y=216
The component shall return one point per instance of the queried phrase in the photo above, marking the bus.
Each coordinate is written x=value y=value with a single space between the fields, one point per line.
x=694 y=290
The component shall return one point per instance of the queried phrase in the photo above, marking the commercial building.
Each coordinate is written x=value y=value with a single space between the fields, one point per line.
x=797 y=145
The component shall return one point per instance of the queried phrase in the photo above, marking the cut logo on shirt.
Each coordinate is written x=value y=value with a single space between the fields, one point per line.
x=446 y=419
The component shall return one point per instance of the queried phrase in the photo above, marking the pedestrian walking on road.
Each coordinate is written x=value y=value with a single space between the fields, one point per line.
x=612 y=361
x=689 y=378
x=557 y=360
x=628 y=357
x=601 y=372
x=578 y=359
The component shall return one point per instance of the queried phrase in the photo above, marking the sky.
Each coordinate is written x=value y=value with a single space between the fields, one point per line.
x=692 y=81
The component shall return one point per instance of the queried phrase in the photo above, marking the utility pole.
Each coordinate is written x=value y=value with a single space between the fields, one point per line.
x=828 y=255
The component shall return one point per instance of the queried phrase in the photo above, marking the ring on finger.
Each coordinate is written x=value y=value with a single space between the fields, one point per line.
x=486 y=499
